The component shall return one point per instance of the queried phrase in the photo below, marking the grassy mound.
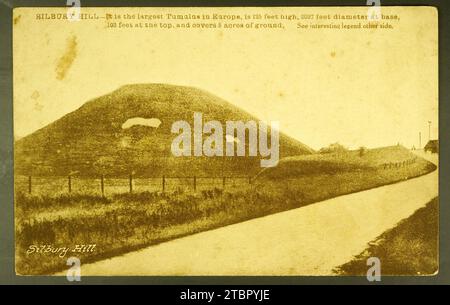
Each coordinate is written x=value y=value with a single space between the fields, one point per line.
x=91 y=141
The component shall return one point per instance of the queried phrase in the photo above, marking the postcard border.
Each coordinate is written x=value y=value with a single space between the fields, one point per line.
x=7 y=269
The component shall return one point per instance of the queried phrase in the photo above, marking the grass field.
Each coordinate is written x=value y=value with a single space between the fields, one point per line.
x=411 y=248
x=119 y=223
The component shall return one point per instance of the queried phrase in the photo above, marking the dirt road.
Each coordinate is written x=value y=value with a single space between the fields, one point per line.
x=311 y=240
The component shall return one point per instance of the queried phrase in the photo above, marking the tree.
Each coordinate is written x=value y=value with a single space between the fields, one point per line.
x=333 y=148
x=362 y=151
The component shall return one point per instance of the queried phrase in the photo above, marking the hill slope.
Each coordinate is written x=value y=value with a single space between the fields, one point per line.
x=91 y=140
x=390 y=158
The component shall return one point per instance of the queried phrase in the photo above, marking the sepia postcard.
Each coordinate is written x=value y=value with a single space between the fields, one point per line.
x=286 y=141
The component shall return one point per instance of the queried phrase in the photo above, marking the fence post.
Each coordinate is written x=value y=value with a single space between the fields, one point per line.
x=195 y=183
x=131 y=183
x=223 y=182
x=70 y=183
x=249 y=180
x=29 y=184
x=163 y=183
x=102 y=185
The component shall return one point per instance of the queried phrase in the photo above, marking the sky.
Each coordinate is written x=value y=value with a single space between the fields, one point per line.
x=357 y=87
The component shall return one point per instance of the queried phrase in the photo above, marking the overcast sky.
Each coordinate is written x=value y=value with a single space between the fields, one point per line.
x=357 y=87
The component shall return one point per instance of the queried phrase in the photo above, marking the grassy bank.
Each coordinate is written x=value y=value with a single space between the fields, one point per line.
x=411 y=248
x=125 y=222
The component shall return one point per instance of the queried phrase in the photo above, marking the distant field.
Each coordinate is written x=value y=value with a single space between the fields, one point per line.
x=385 y=158
x=122 y=222
x=411 y=248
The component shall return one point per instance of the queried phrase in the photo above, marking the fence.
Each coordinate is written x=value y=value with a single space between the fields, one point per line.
x=103 y=185
x=398 y=164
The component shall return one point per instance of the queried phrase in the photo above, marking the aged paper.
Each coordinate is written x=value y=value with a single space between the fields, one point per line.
x=226 y=141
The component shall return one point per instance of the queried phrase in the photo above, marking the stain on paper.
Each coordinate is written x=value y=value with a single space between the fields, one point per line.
x=66 y=60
